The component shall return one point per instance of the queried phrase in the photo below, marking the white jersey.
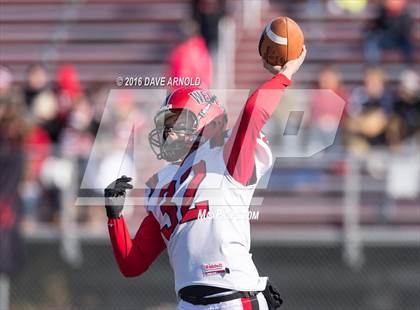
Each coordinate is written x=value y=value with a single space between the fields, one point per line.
x=212 y=250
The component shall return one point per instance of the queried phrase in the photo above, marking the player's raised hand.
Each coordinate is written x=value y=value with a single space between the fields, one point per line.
x=289 y=68
x=115 y=196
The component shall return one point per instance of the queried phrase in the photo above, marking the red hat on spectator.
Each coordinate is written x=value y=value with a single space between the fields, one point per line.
x=68 y=80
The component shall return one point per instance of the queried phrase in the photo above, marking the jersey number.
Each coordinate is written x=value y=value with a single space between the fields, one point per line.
x=187 y=213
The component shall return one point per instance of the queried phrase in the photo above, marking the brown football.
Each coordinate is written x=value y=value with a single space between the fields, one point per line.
x=281 y=41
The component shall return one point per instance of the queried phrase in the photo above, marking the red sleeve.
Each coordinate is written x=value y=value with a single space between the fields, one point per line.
x=134 y=256
x=239 y=150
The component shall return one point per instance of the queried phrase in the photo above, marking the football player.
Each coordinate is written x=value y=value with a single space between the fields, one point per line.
x=210 y=170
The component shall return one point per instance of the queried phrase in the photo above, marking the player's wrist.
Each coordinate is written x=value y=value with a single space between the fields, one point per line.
x=113 y=212
x=287 y=72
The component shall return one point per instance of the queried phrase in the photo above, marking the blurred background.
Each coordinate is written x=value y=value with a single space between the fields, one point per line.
x=337 y=230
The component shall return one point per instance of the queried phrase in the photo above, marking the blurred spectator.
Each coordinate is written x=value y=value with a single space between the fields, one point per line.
x=405 y=122
x=42 y=101
x=68 y=81
x=45 y=113
x=325 y=113
x=8 y=93
x=391 y=29
x=191 y=58
x=339 y=7
x=44 y=131
x=36 y=82
x=68 y=90
x=12 y=131
x=37 y=148
x=330 y=78
x=207 y=13
x=370 y=110
x=5 y=82
x=97 y=95
x=77 y=138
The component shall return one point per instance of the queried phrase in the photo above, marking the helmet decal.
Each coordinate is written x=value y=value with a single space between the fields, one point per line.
x=203 y=97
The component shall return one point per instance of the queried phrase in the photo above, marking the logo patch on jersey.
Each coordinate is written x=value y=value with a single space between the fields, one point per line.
x=213 y=268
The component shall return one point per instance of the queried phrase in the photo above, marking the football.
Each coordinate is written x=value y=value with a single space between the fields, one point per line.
x=281 y=41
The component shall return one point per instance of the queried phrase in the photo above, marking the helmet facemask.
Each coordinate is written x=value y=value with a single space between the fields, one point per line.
x=183 y=123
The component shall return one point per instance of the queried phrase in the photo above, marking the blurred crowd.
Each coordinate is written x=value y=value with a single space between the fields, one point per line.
x=380 y=112
x=42 y=121
x=48 y=125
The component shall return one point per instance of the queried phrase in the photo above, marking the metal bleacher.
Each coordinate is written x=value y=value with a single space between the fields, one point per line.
x=331 y=207
x=104 y=39
x=330 y=39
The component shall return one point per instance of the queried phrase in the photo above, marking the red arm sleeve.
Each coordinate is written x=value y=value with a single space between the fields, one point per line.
x=239 y=150
x=134 y=256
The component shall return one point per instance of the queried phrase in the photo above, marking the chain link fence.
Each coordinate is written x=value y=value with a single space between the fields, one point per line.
x=309 y=277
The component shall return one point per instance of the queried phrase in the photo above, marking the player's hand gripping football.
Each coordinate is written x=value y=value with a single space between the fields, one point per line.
x=289 y=68
x=115 y=196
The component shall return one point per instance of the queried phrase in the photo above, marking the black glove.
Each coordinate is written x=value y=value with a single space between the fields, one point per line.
x=272 y=296
x=115 y=196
